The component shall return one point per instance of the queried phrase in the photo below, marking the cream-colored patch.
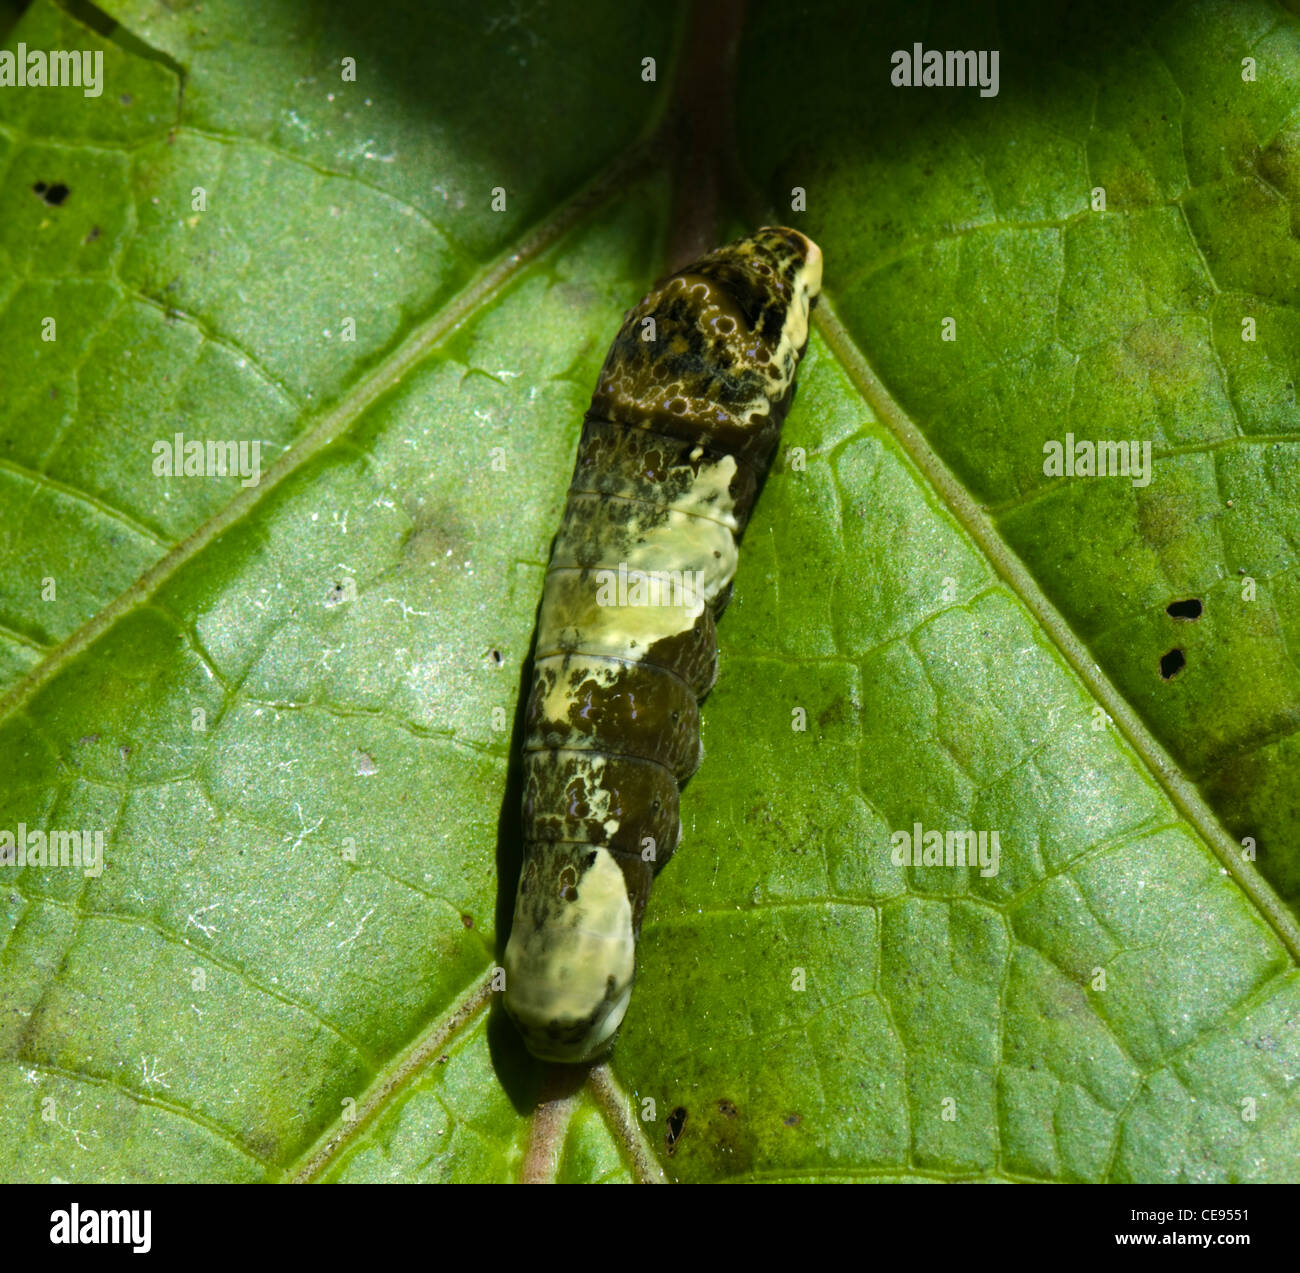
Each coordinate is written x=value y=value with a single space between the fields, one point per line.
x=710 y=494
x=813 y=267
x=686 y=543
x=571 y=620
x=559 y=971
x=695 y=536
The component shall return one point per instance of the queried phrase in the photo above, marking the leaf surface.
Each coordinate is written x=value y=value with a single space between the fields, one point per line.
x=288 y=705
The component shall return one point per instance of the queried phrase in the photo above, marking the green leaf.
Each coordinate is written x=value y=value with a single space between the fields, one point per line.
x=287 y=705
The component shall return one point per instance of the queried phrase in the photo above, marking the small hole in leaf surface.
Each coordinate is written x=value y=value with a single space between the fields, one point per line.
x=1171 y=664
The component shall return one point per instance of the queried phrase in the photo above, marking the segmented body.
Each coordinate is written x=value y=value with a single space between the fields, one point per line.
x=680 y=432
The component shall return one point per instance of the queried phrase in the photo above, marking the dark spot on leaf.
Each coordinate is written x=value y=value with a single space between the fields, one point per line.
x=673 y=1133
x=54 y=194
x=727 y=1109
x=467 y=920
x=265 y=1146
x=92 y=234
x=1171 y=664
x=792 y=1120
x=570 y=894
x=1189 y=609
x=832 y=714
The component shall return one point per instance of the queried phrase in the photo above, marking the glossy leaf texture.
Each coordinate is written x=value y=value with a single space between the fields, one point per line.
x=290 y=706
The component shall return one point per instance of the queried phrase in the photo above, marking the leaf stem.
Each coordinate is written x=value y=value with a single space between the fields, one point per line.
x=701 y=127
x=404 y=1068
x=550 y=1123
x=616 y=1106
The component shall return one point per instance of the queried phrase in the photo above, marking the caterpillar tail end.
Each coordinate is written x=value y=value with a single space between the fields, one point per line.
x=571 y=957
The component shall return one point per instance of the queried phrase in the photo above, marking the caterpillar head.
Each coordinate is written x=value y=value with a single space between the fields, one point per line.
x=773 y=278
x=711 y=353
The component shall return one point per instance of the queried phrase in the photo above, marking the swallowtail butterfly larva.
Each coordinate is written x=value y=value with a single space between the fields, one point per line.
x=678 y=438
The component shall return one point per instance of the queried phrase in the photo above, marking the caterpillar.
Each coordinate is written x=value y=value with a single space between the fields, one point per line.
x=677 y=440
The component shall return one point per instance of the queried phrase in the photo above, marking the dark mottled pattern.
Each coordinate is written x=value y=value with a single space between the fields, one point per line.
x=637 y=464
x=644 y=802
x=711 y=375
x=645 y=713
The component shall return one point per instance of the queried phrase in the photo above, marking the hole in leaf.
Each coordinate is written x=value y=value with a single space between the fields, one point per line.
x=53 y=195
x=1189 y=609
x=1171 y=664
x=676 y=1121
